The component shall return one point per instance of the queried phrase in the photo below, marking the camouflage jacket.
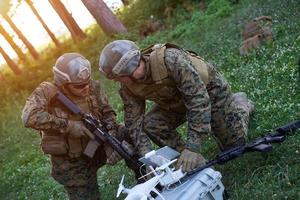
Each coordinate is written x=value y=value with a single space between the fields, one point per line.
x=43 y=113
x=36 y=113
x=185 y=85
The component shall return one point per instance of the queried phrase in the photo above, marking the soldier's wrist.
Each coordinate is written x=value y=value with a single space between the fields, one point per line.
x=192 y=147
x=143 y=150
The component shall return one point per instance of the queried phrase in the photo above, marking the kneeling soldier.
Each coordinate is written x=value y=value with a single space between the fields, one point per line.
x=64 y=135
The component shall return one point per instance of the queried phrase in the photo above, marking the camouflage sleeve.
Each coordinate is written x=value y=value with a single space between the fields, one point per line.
x=35 y=113
x=194 y=95
x=107 y=112
x=134 y=107
x=134 y=110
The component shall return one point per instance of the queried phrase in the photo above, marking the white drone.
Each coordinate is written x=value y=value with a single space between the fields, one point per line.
x=141 y=191
x=203 y=185
x=162 y=174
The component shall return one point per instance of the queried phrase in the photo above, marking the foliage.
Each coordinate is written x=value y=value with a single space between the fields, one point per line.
x=139 y=12
x=5 y=6
x=269 y=75
x=8 y=7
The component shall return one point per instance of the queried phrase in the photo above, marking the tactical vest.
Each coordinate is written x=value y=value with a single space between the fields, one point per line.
x=163 y=90
x=56 y=143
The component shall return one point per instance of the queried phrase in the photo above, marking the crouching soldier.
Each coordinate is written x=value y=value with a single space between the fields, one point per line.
x=64 y=136
x=183 y=88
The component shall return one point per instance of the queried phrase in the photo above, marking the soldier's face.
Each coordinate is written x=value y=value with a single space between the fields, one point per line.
x=140 y=71
x=79 y=90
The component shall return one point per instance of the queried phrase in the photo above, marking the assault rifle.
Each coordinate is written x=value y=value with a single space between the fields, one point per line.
x=98 y=130
x=261 y=144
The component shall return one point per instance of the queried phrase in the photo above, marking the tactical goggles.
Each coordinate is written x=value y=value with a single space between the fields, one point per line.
x=76 y=72
x=108 y=75
x=125 y=66
x=79 y=86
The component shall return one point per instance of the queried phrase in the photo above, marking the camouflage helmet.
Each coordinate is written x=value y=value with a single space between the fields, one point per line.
x=71 y=68
x=119 y=58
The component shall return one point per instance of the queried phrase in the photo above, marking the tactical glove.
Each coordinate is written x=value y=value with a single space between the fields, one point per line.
x=76 y=129
x=112 y=156
x=190 y=160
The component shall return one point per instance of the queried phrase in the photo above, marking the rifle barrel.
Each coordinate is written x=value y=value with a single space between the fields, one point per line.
x=261 y=144
x=96 y=128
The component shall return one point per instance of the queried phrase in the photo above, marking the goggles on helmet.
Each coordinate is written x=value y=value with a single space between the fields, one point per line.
x=125 y=66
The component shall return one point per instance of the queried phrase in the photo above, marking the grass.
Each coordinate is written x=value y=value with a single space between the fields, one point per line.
x=269 y=75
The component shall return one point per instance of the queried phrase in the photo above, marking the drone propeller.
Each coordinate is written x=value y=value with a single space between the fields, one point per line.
x=151 y=172
x=121 y=186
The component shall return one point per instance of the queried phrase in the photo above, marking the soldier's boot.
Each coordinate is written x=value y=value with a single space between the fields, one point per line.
x=241 y=99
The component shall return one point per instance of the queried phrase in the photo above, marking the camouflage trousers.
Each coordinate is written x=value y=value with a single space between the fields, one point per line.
x=229 y=121
x=79 y=175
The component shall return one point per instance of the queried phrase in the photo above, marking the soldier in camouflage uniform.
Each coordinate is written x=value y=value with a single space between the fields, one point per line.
x=64 y=136
x=183 y=88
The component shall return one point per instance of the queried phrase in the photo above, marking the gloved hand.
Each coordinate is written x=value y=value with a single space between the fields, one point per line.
x=129 y=148
x=112 y=156
x=190 y=160
x=113 y=131
x=76 y=129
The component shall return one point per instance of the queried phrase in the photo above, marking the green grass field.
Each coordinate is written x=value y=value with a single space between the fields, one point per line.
x=269 y=75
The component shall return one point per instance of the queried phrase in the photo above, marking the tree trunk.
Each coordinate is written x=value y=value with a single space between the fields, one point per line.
x=13 y=66
x=66 y=17
x=104 y=17
x=29 y=46
x=125 y=2
x=30 y=4
x=11 y=42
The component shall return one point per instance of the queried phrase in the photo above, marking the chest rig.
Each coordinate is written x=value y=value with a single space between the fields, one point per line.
x=73 y=147
x=162 y=90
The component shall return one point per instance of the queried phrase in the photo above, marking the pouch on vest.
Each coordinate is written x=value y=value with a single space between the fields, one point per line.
x=75 y=146
x=54 y=144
